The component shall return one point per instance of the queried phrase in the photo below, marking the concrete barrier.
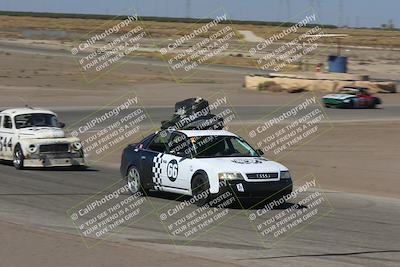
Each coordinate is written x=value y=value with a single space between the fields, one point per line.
x=292 y=83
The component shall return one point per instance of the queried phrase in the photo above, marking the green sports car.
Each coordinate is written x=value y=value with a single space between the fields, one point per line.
x=351 y=97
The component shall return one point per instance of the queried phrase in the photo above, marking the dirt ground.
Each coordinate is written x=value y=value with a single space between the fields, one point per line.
x=369 y=51
x=47 y=249
x=353 y=157
x=35 y=80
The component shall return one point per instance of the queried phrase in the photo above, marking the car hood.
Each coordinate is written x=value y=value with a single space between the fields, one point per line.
x=244 y=164
x=41 y=132
x=338 y=96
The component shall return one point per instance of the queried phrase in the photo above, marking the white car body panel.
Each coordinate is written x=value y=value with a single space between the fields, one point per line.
x=187 y=167
x=212 y=166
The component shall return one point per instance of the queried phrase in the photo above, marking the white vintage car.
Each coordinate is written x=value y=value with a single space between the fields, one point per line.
x=33 y=137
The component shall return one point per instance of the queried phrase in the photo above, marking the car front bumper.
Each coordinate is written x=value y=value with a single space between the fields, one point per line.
x=245 y=189
x=54 y=160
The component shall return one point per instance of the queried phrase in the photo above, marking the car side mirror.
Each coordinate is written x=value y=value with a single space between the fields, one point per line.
x=61 y=124
x=260 y=152
x=179 y=154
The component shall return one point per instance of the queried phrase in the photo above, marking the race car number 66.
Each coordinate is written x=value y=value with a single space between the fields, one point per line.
x=172 y=170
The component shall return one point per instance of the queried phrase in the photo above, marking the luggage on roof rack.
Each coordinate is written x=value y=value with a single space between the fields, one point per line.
x=193 y=114
x=192 y=105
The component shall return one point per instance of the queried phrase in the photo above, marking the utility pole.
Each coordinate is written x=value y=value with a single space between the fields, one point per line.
x=316 y=7
x=188 y=8
x=340 y=22
x=289 y=10
x=279 y=16
x=166 y=8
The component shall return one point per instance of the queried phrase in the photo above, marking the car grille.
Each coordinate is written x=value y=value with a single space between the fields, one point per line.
x=54 y=148
x=262 y=176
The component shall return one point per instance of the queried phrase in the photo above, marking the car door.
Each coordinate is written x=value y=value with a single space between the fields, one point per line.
x=6 y=137
x=176 y=168
x=151 y=158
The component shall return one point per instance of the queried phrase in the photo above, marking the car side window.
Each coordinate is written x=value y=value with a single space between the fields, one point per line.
x=7 y=123
x=179 y=145
x=159 y=143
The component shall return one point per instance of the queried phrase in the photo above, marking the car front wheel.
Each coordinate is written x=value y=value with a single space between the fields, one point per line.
x=201 y=190
x=18 y=158
x=133 y=180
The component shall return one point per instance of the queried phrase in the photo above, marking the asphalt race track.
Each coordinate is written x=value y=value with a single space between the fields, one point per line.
x=360 y=230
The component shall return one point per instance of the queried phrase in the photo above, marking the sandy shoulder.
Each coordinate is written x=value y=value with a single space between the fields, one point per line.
x=26 y=246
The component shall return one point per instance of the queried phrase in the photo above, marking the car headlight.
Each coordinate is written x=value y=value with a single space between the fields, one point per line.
x=76 y=146
x=230 y=176
x=285 y=175
x=32 y=148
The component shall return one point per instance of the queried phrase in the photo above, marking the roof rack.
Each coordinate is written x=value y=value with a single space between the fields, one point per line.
x=193 y=114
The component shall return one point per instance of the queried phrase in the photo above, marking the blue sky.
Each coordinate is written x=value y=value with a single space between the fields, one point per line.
x=368 y=13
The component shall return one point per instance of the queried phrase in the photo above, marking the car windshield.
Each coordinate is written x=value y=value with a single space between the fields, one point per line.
x=221 y=146
x=350 y=91
x=36 y=120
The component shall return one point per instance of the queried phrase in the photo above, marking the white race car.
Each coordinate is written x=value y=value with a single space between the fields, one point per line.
x=34 y=138
x=190 y=162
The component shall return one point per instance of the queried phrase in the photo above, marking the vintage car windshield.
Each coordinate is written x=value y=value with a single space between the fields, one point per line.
x=353 y=91
x=221 y=146
x=36 y=120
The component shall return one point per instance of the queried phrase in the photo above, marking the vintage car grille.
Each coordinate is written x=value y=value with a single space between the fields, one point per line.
x=261 y=176
x=54 y=148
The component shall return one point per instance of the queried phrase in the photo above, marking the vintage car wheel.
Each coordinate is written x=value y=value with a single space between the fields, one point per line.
x=200 y=184
x=18 y=158
x=133 y=180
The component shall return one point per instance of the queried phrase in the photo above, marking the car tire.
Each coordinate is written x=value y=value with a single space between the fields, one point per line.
x=133 y=180
x=374 y=103
x=18 y=158
x=350 y=104
x=201 y=184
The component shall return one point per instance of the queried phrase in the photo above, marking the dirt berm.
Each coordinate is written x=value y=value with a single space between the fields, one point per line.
x=293 y=84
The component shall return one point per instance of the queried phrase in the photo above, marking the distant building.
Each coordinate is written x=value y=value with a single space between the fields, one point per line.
x=389 y=25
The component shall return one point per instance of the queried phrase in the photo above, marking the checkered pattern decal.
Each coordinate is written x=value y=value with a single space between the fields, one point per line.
x=156 y=170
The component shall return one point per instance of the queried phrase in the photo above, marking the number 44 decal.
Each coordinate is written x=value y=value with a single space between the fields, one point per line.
x=4 y=144
x=172 y=170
